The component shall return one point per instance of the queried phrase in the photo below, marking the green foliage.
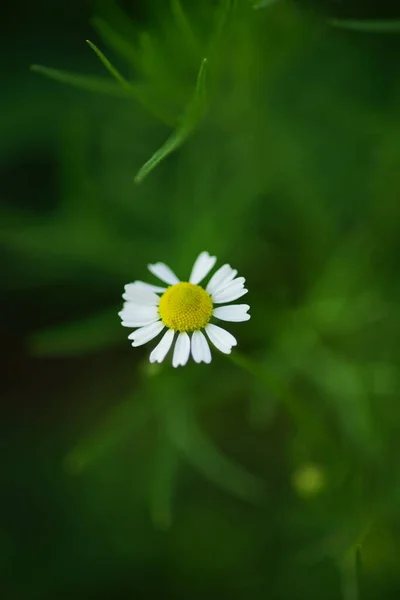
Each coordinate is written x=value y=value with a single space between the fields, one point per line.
x=91 y=84
x=96 y=332
x=190 y=441
x=369 y=26
x=283 y=161
x=110 y=68
x=190 y=120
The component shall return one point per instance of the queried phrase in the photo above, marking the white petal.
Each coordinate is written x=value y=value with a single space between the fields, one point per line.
x=135 y=292
x=228 y=284
x=131 y=323
x=235 y=312
x=182 y=350
x=162 y=348
x=230 y=295
x=150 y=287
x=145 y=334
x=133 y=309
x=230 y=292
x=200 y=348
x=222 y=339
x=202 y=266
x=163 y=272
x=134 y=315
x=221 y=277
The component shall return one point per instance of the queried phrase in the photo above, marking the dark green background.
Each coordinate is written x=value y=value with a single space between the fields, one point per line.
x=252 y=477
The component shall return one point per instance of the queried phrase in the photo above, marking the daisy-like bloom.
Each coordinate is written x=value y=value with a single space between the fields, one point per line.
x=185 y=309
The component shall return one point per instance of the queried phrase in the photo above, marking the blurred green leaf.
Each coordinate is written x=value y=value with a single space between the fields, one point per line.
x=116 y=41
x=136 y=91
x=140 y=92
x=262 y=405
x=123 y=421
x=190 y=121
x=93 y=333
x=186 y=435
x=222 y=12
x=86 y=82
x=165 y=469
x=369 y=26
x=264 y=3
x=109 y=66
x=346 y=390
x=185 y=27
x=153 y=63
x=277 y=385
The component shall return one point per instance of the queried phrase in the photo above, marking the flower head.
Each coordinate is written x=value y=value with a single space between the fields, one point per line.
x=186 y=309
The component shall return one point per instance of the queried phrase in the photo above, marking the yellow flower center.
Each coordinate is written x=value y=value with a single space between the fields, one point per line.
x=185 y=307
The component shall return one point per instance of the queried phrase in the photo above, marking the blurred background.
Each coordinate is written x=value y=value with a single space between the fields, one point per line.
x=271 y=473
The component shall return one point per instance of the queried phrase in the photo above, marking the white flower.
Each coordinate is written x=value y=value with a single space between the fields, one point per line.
x=185 y=308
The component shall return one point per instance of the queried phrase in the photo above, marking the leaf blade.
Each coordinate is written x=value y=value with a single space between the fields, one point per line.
x=190 y=121
x=132 y=91
x=86 y=335
x=128 y=417
x=88 y=83
x=108 y=65
x=192 y=442
x=116 y=41
x=368 y=26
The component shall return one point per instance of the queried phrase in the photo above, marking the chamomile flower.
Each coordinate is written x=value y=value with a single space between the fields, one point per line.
x=185 y=309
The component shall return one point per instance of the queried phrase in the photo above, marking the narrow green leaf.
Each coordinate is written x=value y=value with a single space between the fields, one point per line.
x=152 y=62
x=222 y=14
x=85 y=82
x=185 y=434
x=278 y=388
x=190 y=121
x=185 y=27
x=172 y=143
x=139 y=92
x=110 y=67
x=200 y=91
x=126 y=418
x=116 y=41
x=264 y=3
x=367 y=25
x=93 y=333
x=144 y=99
x=111 y=12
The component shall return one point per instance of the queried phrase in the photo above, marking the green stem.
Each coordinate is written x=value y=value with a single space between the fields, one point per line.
x=349 y=575
x=163 y=483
